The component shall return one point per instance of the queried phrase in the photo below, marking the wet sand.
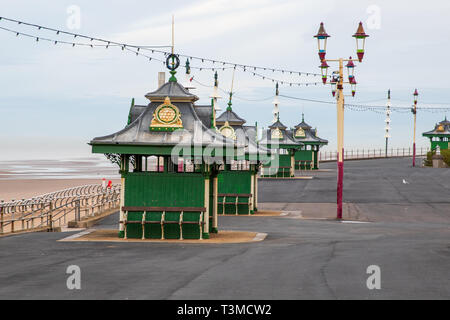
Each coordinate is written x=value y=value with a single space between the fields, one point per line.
x=28 y=188
x=28 y=178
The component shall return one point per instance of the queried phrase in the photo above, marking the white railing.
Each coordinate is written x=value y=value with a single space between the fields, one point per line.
x=360 y=154
x=56 y=209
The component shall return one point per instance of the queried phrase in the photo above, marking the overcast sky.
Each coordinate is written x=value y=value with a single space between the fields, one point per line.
x=55 y=98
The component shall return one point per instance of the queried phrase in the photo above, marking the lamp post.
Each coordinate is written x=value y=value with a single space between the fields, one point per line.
x=276 y=102
x=388 y=120
x=414 y=112
x=322 y=38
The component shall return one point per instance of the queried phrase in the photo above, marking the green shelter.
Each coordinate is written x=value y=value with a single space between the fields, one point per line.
x=440 y=136
x=237 y=181
x=283 y=146
x=169 y=164
x=307 y=158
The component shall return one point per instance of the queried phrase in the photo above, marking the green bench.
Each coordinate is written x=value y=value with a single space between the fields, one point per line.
x=163 y=222
x=304 y=164
x=235 y=200
x=276 y=172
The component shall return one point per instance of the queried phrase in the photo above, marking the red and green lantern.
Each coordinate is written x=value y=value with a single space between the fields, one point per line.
x=360 y=37
x=324 y=68
x=322 y=36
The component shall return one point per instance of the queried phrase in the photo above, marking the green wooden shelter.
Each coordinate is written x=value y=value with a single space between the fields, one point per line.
x=440 y=136
x=283 y=146
x=307 y=158
x=169 y=164
x=237 y=181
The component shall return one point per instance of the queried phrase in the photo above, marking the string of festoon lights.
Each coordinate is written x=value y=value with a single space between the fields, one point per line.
x=149 y=52
x=374 y=108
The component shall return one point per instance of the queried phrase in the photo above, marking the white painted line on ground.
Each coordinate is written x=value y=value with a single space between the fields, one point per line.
x=352 y=221
x=77 y=235
x=66 y=229
x=260 y=236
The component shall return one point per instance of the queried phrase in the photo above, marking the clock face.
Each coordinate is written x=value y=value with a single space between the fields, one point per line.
x=227 y=132
x=300 y=133
x=277 y=134
x=167 y=115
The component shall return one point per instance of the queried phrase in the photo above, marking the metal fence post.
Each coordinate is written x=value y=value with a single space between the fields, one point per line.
x=1 y=219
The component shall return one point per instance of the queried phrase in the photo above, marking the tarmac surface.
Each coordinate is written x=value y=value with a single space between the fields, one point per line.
x=300 y=258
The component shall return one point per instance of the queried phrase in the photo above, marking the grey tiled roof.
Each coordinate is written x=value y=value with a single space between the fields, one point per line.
x=446 y=126
x=138 y=132
x=173 y=90
x=231 y=117
x=136 y=111
x=278 y=125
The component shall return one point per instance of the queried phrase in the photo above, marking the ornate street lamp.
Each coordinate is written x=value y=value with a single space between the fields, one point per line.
x=388 y=121
x=414 y=112
x=322 y=37
x=337 y=83
x=276 y=102
x=360 y=37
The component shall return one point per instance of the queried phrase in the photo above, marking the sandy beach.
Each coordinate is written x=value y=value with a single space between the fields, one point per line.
x=29 y=178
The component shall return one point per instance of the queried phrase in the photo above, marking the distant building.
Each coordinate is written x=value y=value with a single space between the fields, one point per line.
x=440 y=136
x=308 y=156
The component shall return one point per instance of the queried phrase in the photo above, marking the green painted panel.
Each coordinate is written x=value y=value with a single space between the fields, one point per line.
x=134 y=230
x=442 y=144
x=303 y=155
x=191 y=231
x=234 y=182
x=153 y=189
x=157 y=189
x=172 y=231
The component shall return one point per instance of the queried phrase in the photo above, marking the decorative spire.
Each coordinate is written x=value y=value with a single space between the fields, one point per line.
x=175 y=63
x=229 y=102
x=303 y=117
x=129 y=113
x=231 y=92
x=276 y=102
x=188 y=67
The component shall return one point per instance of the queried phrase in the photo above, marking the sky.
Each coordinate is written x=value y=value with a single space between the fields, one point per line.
x=55 y=98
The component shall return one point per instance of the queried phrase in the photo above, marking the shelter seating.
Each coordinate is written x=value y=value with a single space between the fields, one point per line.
x=304 y=164
x=163 y=222
x=235 y=201
x=277 y=172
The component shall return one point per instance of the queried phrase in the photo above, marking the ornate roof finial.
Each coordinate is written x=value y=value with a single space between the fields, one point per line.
x=389 y=93
x=231 y=92
x=188 y=67
x=229 y=102
x=303 y=117
x=175 y=63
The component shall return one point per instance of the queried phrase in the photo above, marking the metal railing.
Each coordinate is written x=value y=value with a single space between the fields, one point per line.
x=56 y=209
x=360 y=154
